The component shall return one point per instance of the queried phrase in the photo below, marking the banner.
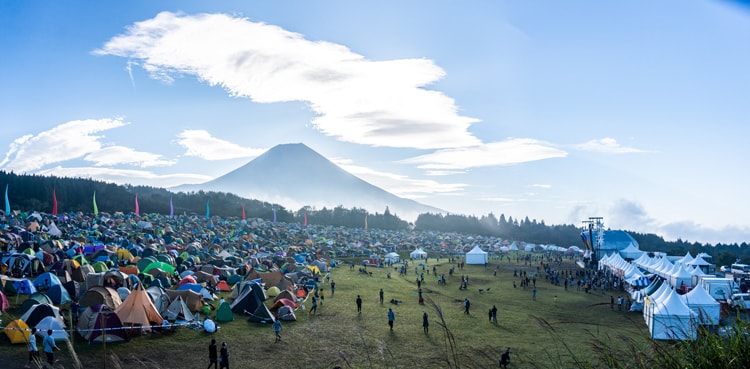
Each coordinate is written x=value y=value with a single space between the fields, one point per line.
x=96 y=209
x=208 y=210
x=137 y=209
x=171 y=208
x=54 y=202
x=7 y=202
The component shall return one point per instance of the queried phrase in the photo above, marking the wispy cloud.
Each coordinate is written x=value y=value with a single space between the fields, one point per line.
x=201 y=144
x=378 y=103
x=398 y=184
x=539 y=185
x=67 y=141
x=512 y=151
x=607 y=146
x=117 y=155
x=127 y=176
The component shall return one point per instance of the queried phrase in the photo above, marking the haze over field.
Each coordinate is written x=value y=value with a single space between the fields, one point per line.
x=635 y=111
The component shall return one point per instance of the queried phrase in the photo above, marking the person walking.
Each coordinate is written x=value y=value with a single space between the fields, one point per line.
x=322 y=298
x=213 y=357
x=33 y=350
x=467 y=305
x=533 y=294
x=381 y=296
x=50 y=347
x=494 y=314
x=425 y=323
x=505 y=358
x=359 y=304
x=314 y=307
x=333 y=287
x=391 y=318
x=224 y=358
x=277 y=329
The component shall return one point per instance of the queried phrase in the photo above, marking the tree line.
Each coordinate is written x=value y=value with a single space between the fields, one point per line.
x=34 y=192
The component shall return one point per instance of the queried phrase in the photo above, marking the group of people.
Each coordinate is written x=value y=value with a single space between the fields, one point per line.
x=49 y=347
x=221 y=357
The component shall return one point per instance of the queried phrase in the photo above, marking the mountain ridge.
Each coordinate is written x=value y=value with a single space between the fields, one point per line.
x=294 y=175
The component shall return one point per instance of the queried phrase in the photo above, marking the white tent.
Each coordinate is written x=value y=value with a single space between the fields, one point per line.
x=477 y=256
x=391 y=257
x=671 y=319
x=418 y=254
x=700 y=302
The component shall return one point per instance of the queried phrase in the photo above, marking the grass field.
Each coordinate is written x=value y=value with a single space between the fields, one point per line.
x=556 y=330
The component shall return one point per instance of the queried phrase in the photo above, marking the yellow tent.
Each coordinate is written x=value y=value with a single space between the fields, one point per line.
x=314 y=269
x=17 y=331
x=124 y=254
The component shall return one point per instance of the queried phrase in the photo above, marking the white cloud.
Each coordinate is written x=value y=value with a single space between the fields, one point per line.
x=128 y=176
x=67 y=141
x=539 y=185
x=115 y=155
x=200 y=143
x=378 y=103
x=400 y=185
x=607 y=146
x=512 y=151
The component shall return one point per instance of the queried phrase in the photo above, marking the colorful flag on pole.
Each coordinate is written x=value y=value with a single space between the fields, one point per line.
x=54 y=202
x=305 y=220
x=7 y=202
x=96 y=209
x=171 y=208
x=365 y=221
x=274 y=215
x=243 y=212
x=137 y=209
x=208 y=210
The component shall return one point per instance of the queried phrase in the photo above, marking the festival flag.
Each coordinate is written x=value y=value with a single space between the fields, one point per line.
x=171 y=208
x=305 y=220
x=585 y=240
x=7 y=202
x=365 y=221
x=96 y=209
x=243 y=212
x=274 y=215
x=137 y=209
x=54 y=202
x=208 y=210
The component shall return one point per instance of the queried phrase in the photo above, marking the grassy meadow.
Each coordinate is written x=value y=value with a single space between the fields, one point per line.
x=560 y=329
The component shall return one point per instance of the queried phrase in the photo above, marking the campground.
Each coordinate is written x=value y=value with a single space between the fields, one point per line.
x=557 y=329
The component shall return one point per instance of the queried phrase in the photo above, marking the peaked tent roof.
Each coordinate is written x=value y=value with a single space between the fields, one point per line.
x=17 y=331
x=178 y=310
x=138 y=309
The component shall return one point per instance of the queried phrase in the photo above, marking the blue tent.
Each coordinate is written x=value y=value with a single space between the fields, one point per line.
x=24 y=287
x=59 y=295
x=46 y=280
x=195 y=287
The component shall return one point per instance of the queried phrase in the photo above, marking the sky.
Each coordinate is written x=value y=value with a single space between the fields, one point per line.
x=633 y=111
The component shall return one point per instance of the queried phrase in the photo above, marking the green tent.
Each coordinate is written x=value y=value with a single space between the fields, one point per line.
x=224 y=313
x=160 y=265
x=100 y=266
x=143 y=263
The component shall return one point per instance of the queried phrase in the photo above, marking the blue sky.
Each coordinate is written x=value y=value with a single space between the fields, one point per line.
x=634 y=111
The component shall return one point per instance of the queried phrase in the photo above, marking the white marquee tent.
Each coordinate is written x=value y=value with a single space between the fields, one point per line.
x=477 y=256
x=418 y=254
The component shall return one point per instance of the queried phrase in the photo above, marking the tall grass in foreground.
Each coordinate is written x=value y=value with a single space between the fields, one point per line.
x=727 y=349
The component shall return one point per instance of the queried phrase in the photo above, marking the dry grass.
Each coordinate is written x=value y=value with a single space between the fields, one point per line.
x=547 y=333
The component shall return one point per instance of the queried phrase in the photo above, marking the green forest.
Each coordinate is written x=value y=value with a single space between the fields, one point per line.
x=37 y=193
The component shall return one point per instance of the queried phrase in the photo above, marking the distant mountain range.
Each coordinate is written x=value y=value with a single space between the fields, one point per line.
x=294 y=175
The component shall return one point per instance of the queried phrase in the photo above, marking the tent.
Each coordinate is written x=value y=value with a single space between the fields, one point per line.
x=56 y=325
x=4 y=304
x=99 y=295
x=392 y=257
x=224 y=313
x=477 y=256
x=46 y=280
x=285 y=295
x=35 y=299
x=192 y=299
x=418 y=254
x=670 y=318
x=59 y=295
x=178 y=310
x=286 y=313
x=17 y=331
x=223 y=286
x=251 y=295
x=705 y=306
x=138 y=310
x=261 y=314
x=160 y=298
x=97 y=320
x=38 y=312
